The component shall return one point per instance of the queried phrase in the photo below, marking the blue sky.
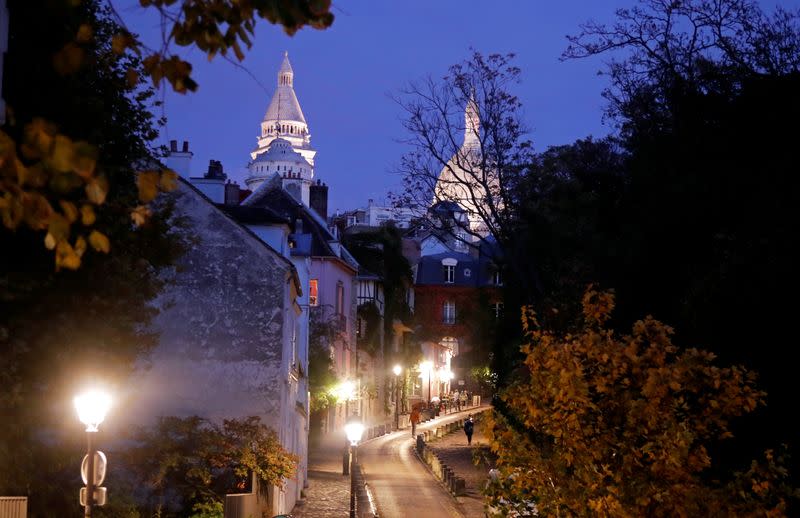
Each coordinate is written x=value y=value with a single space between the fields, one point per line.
x=344 y=77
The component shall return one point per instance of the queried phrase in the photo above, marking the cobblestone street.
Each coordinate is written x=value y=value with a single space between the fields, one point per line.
x=328 y=491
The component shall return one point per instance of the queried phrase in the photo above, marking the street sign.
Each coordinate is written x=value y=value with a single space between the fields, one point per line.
x=99 y=468
x=99 y=496
x=460 y=382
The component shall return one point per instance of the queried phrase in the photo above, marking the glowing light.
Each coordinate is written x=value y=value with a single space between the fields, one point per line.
x=354 y=429
x=397 y=370
x=92 y=407
x=426 y=366
x=344 y=391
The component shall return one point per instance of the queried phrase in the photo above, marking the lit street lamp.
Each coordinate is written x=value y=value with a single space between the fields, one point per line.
x=353 y=429
x=345 y=391
x=397 y=370
x=92 y=407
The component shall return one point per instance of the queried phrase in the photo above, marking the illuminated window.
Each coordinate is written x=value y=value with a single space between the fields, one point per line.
x=449 y=273
x=340 y=298
x=449 y=312
x=313 y=293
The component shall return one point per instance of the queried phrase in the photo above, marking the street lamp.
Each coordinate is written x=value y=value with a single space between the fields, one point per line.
x=427 y=368
x=345 y=391
x=92 y=407
x=397 y=370
x=353 y=429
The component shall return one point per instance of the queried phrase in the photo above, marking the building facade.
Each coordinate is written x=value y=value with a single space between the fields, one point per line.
x=227 y=328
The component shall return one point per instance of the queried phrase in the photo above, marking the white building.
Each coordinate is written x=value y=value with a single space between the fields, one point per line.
x=284 y=143
x=463 y=180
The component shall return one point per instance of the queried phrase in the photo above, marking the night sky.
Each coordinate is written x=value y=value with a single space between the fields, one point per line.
x=345 y=75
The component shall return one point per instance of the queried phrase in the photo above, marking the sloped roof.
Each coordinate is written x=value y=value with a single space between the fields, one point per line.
x=280 y=150
x=284 y=106
x=284 y=204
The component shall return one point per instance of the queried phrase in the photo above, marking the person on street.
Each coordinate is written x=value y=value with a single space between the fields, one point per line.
x=469 y=427
x=414 y=421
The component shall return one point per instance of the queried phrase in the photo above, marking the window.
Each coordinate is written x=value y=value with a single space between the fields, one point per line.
x=496 y=309
x=497 y=278
x=450 y=343
x=361 y=328
x=449 y=269
x=313 y=293
x=339 y=298
x=449 y=312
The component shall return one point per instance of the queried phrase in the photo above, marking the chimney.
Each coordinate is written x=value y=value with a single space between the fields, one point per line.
x=231 y=193
x=215 y=170
x=319 y=199
x=179 y=161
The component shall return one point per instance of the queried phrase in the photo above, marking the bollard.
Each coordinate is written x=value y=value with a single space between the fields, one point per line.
x=461 y=486
x=420 y=443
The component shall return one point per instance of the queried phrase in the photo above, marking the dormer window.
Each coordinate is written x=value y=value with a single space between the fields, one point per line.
x=449 y=270
x=449 y=274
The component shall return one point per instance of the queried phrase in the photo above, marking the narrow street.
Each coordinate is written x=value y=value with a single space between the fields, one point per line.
x=401 y=484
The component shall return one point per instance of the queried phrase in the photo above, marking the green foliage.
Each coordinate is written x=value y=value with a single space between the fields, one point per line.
x=191 y=463
x=321 y=376
x=380 y=251
x=65 y=157
x=370 y=341
x=208 y=510
x=623 y=425
x=215 y=28
x=698 y=223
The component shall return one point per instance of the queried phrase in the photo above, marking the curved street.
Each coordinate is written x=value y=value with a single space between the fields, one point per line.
x=401 y=485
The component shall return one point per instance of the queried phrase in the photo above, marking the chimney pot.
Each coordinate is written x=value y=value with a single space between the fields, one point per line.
x=185 y=146
x=173 y=145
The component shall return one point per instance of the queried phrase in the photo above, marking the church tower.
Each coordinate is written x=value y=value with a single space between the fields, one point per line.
x=284 y=143
x=463 y=170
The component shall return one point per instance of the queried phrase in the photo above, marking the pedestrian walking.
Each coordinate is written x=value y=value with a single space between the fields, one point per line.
x=414 y=421
x=469 y=427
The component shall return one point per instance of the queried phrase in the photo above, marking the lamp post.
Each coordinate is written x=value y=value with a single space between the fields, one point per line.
x=397 y=370
x=344 y=391
x=353 y=429
x=92 y=407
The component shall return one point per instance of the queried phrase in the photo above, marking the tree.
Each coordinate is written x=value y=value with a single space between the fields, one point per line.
x=189 y=464
x=59 y=329
x=380 y=251
x=468 y=148
x=322 y=333
x=623 y=425
x=705 y=231
x=675 y=48
x=49 y=178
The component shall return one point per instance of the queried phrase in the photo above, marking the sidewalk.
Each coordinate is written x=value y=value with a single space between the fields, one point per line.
x=328 y=491
x=453 y=450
